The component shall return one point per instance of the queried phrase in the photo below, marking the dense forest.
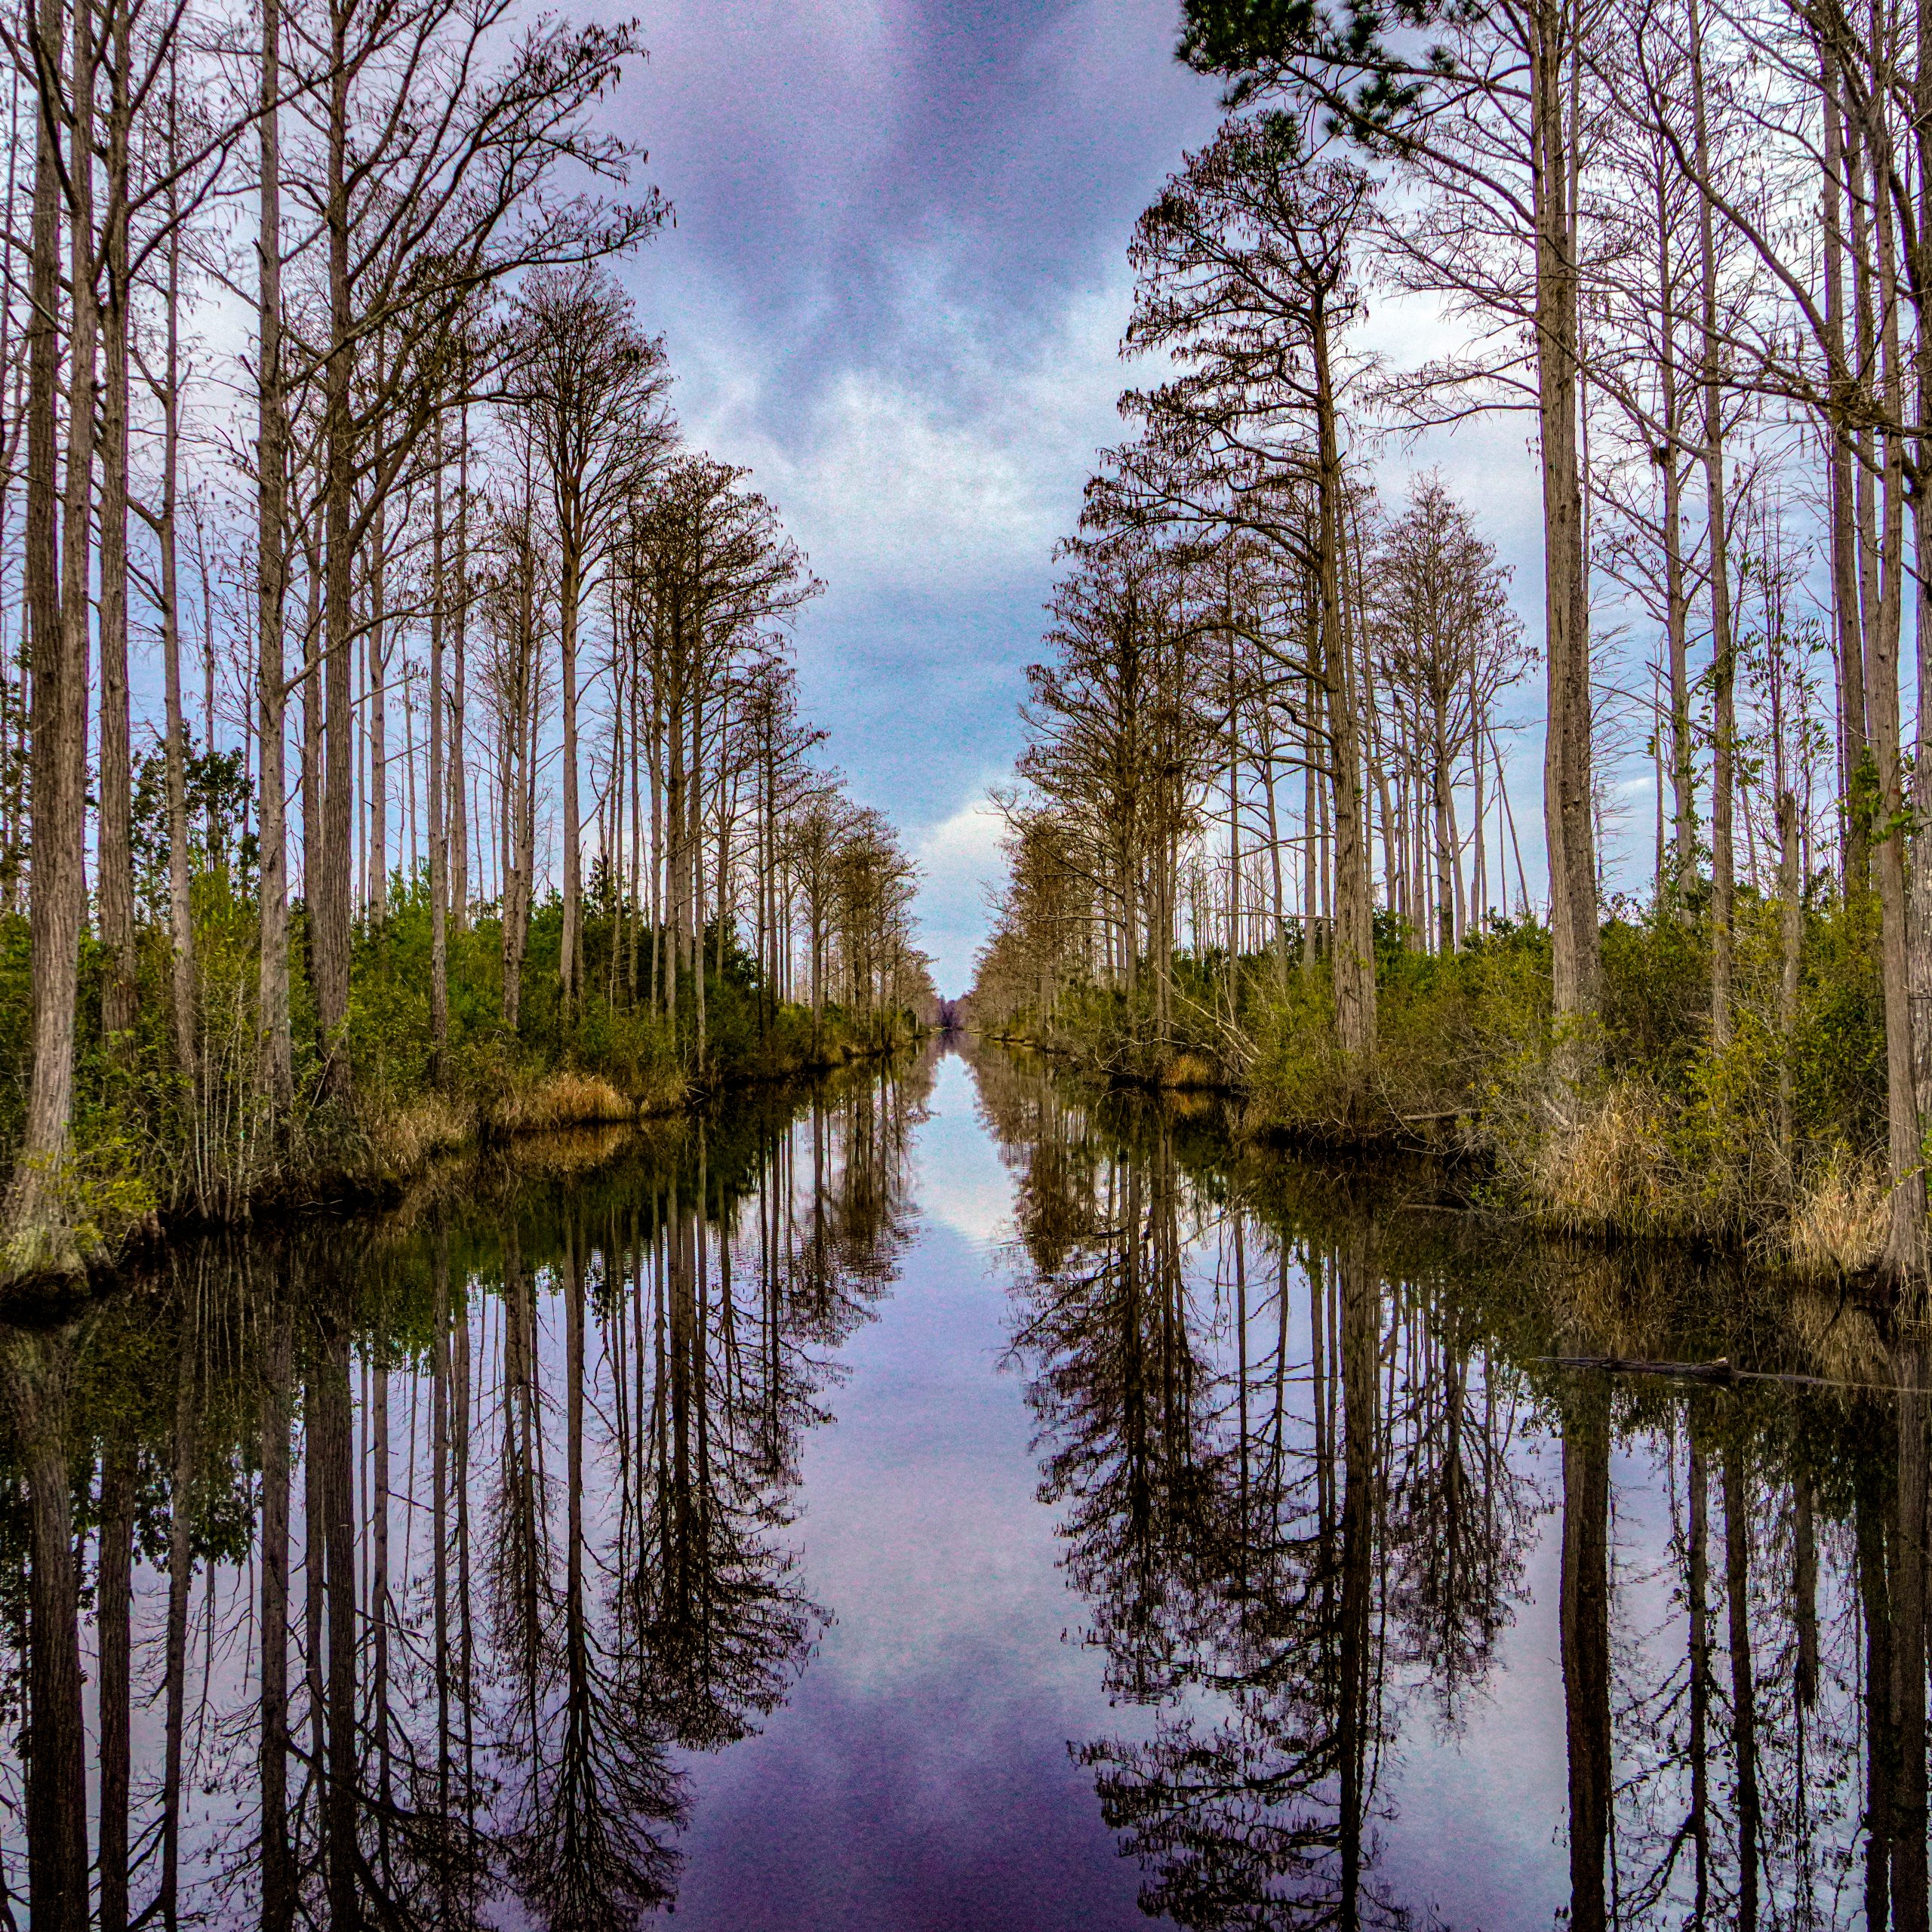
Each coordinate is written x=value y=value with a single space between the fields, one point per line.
x=1265 y=836
x=399 y=727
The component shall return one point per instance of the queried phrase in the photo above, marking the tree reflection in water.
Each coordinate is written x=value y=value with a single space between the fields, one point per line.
x=1305 y=1437
x=378 y=1577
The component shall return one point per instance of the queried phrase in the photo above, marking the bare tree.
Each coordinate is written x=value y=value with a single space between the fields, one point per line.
x=589 y=387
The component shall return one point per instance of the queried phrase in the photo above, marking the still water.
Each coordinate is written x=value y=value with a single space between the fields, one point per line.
x=941 y=1500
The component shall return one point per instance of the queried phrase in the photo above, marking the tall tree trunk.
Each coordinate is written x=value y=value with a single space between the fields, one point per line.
x=1849 y=630
x=1918 y=992
x=1903 y=1251
x=1675 y=598
x=278 y=1067
x=1354 y=957
x=1790 y=894
x=59 y=643
x=1567 y=796
x=570 y=963
x=180 y=904
x=1442 y=810
x=377 y=647
x=329 y=886
x=439 y=955
x=458 y=811
x=1724 y=665
x=119 y=993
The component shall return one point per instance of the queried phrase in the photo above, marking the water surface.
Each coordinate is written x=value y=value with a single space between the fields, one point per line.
x=944 y=1499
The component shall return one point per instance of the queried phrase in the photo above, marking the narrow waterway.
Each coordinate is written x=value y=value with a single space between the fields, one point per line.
x=944 y=1500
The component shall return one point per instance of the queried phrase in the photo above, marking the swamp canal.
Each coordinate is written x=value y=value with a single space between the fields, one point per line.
x=939 y=1499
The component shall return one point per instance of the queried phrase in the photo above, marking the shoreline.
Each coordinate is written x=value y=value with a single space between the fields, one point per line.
x=1302 y=1140
x=400 y=1160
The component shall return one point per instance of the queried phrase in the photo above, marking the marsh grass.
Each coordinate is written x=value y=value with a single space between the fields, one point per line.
x=1641 y=1127
x=568 y=1097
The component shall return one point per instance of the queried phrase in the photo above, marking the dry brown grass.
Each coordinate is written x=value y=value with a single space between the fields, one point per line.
x=1610 y=1168
x=408 y=1136
x=567 y=1098
x=1189 y=1073
x=1838 y=1225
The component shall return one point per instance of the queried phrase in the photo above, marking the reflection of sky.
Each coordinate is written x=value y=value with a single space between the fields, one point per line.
x=963 y=1184
x=1480 y=1811
x=920 y=1776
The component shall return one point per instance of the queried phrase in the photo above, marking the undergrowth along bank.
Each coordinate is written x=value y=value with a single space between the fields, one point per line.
x=1771 y=1142
x=157 y=1143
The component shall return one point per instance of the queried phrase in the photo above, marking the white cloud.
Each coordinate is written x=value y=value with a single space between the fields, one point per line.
x=958 y=475
x=959 y=858
x=964 y=847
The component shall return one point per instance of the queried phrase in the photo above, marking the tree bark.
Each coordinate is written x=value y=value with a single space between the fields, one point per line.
x=277 y=1067
x=181 y=906
x=1567 y=798
x=58 y=641
x=459 y=814
x=1848 y=636
x=570 y=965
x=439 y=953
x=1353 y=961
x=329 y=887
x=1724 y=663
x=119 y=993
x=1791 y=893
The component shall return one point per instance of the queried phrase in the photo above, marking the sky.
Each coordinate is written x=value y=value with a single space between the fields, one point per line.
x=895 y=289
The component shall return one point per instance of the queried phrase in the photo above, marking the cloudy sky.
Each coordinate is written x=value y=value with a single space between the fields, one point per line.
x=895 y=289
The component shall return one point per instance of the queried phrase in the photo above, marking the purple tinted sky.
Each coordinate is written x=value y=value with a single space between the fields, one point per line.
x=896 y=290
